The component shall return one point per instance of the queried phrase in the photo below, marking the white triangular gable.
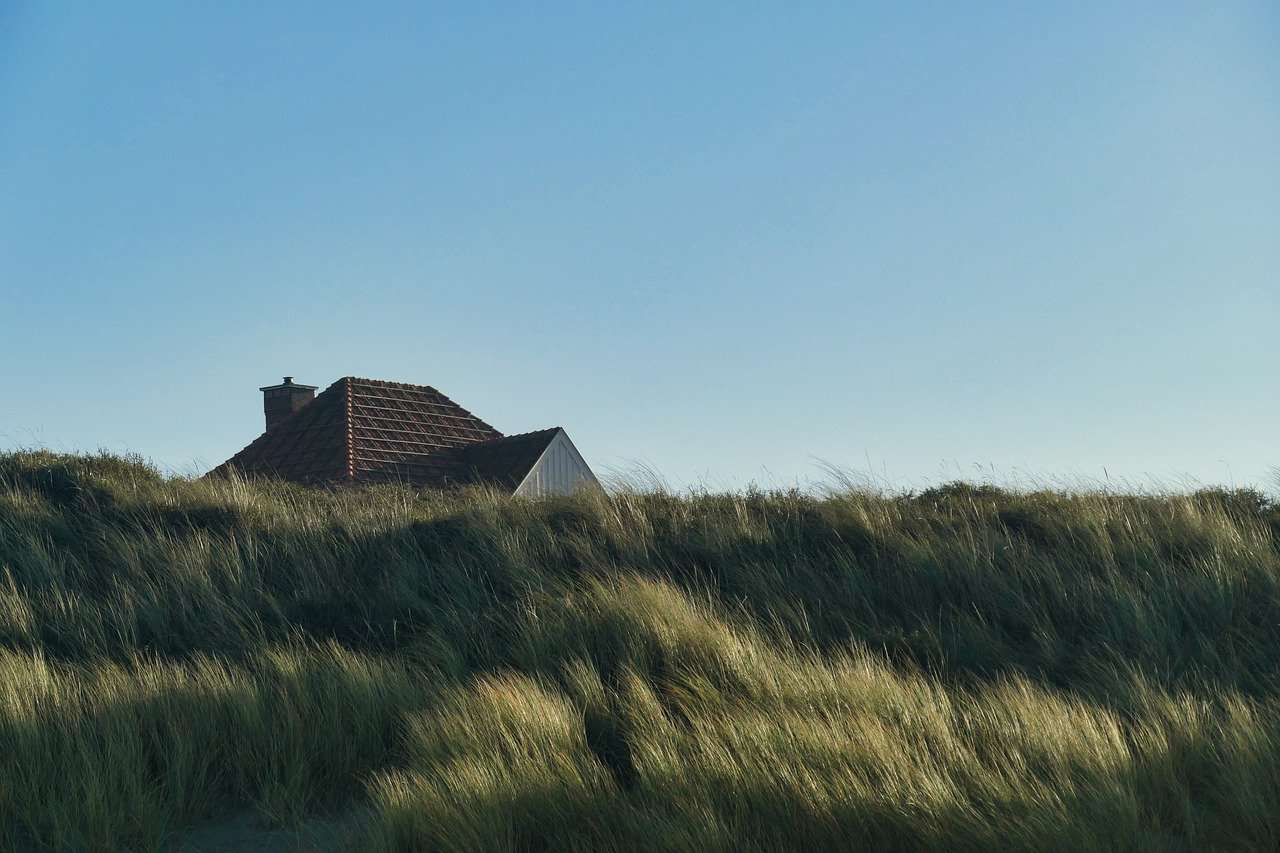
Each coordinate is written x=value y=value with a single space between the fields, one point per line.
x=560 y=470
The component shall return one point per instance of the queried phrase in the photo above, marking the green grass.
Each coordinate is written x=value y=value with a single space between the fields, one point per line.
x=964 y=669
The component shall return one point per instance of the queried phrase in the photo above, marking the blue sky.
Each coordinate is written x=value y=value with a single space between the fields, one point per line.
x=730 y=241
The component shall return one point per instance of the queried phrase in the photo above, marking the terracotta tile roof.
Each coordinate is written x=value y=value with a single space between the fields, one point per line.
x=368 y=430
x=397 y=431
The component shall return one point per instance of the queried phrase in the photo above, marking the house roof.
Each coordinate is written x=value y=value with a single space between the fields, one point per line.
x=397 y=431
x=370 y=430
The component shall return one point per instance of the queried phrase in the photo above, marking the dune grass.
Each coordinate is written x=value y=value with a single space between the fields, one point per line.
x=963 y=669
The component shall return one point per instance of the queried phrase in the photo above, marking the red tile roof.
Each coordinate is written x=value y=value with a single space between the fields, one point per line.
x=367 y=430
x=398 y=429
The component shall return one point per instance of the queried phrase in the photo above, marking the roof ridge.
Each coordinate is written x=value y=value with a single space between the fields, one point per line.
x=391 y=383
x=531 y=432
x=349 y=451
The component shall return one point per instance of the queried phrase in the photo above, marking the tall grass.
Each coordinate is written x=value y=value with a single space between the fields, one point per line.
x=960 y=669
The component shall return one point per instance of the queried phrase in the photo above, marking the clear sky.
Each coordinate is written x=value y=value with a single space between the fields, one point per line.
x=729 y=240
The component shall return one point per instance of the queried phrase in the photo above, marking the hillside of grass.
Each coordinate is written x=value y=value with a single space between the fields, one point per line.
x=963 y=669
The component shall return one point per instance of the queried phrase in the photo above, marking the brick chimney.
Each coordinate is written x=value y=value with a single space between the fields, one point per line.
x=280 y=401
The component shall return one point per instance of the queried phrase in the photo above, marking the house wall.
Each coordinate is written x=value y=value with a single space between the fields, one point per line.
x=561 y=470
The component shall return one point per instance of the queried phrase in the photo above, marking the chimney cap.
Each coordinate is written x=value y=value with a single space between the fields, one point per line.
x=289 y=384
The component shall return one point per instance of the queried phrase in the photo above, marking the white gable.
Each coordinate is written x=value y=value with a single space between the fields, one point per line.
x=560 y=470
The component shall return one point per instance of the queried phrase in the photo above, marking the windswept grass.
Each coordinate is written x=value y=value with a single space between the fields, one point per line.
x=962 y=669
